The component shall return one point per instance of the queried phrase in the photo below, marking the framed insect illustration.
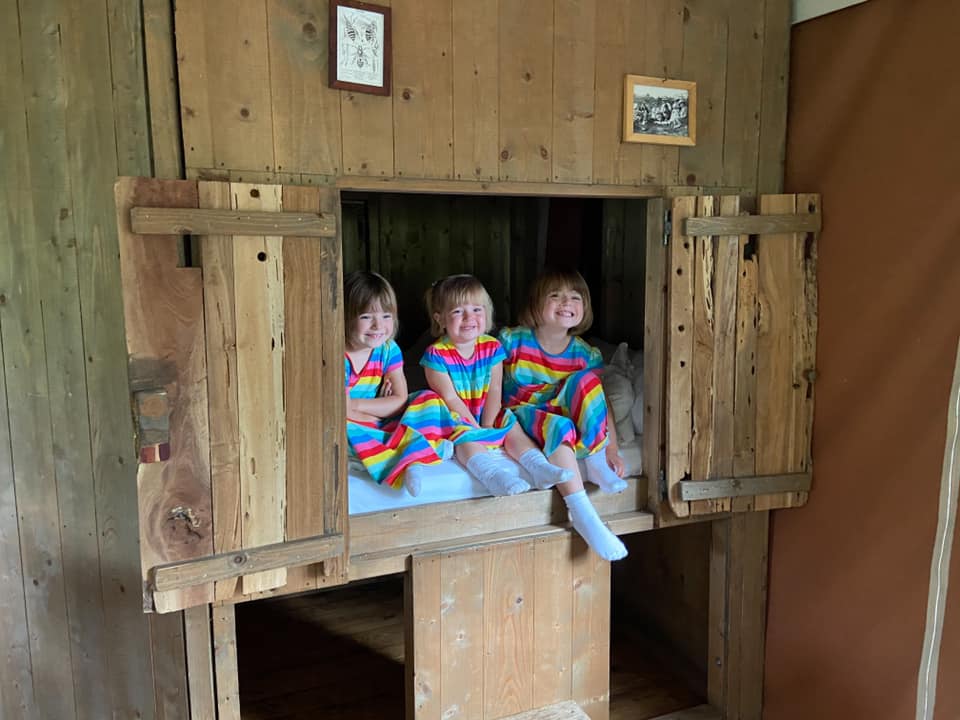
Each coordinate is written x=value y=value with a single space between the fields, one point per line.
x=359 y=47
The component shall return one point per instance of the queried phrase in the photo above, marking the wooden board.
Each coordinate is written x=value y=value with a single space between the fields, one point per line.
x=225 y=662
x=526 y=90
x=476 y=80
x=423 y=89
x=258 y=299
x=773 y=99
x=590 y=641
x=741 y=122
x=574 y=61
x=199 y=644
x=161 y=68
x=163 y=306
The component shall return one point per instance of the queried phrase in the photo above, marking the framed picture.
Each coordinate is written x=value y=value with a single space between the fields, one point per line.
x=359 y=47
x=659 y=111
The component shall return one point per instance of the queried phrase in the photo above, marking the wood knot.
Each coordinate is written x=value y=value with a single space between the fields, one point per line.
x=244 y=113
x=254 y=193
x=262 y=256
x=406 y=94
x=309 y=30
x=543 y=152
x=691 y=179
x=527 y=76
x=504 y=154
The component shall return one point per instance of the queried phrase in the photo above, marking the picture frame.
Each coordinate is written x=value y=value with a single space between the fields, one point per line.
x=359 y=47
x=659 y=111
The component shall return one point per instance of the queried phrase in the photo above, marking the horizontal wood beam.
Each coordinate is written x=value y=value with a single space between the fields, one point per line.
x=294 y=553
x=752 y=225
x=736 y=487
x=515 y=189
x=204 y=221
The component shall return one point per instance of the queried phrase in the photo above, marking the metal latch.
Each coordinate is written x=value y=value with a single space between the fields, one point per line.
x=667 y=226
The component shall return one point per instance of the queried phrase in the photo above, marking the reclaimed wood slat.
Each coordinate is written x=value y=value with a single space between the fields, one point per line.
x=196 y=120
x=292 y=553
x=508 y=627
x=773 y=98
x=663 y=49
x=612 y=32
x=366 y=123
x=217 y=221
x=680 y=354
x=655 y=353
x=754 y=224
x=225 y=662
x=166 y=137
x=526 y=90
x=199 y=644
x=745 y=385
x=305 y=109
x=777 y=279
x=741 y=121
x=163 y=306
x=221 y=339
x=476 y=79
x=500 y=187
x=424 y=666
x=738 y=487
x=461 y=636
x=718 y=624
x=574 y=62
x=169 y=665
x=553 y=620
x=806 y=359
x=591 y=632
x=119 y=32
x=705 y=48
x=704 y=330
x=423 y=89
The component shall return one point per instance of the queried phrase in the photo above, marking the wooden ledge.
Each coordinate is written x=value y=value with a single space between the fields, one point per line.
x=752 y=225
x=201 y=221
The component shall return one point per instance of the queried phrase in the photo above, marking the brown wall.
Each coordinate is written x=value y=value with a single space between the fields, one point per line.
x=484 y=90
x=874 y=102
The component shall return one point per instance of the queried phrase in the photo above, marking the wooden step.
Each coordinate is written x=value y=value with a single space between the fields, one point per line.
x=567 y=710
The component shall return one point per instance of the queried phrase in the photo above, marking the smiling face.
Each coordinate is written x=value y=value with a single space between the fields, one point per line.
x=562 y=309
x=464 y=322
x=371 y=329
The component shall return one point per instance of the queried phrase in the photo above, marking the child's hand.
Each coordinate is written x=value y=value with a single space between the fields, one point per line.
x=614 y=460
x=386 y=388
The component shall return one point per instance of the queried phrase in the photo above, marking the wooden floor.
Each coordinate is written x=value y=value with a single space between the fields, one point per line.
x=339 y=655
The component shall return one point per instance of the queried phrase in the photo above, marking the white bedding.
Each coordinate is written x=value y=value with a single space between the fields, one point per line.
x=444 y=482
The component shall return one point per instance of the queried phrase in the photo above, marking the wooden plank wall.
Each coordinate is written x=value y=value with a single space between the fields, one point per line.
x=501 y=629
x=484 y=91
x=73 y=118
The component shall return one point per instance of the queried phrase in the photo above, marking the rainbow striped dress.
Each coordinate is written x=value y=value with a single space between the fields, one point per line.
x=471 y=380
x=556 y=398
x=387 y=447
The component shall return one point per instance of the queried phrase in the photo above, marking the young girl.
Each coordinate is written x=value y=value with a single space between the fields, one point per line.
x=552 y=386
x=392 y=446
x=465 y=367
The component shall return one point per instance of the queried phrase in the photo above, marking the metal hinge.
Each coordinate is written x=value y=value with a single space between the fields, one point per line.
x=667 y=226
x=662 y=483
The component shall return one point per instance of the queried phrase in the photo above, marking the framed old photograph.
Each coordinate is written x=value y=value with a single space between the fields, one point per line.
x=659 y=111
x=359 y=47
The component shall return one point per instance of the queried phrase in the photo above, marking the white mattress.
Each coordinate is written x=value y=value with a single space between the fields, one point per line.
x=444 y=482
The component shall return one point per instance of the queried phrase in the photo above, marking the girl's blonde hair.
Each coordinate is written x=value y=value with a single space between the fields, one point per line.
x=554 y=280
x=362 y=290
x=455 y=290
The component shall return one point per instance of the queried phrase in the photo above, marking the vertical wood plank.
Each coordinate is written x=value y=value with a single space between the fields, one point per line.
x=654 y=352
x=745 y=387
x=366 y=123
x=164 y=106
x=258 y=298
x=305 y=109
x=124 y=20
x=611 y=64
x=476 y=79
x=553 y=620
x=634 y=266
x=574 y=62
x=493 y=262
x=221 y=340
x=163 y=306
x=197 y=123
x=231 y=80
x=680 y=354
x=590 y=651
x=705 y=44
x=169 y=665
x=611 y=265
x=423 y=89
x=741 y=114
x=225 y=662
x=197 y=629
x=508 y=629
x=773 y=100
x=776 y=422
x=806 y=353
x=718 y=635
x=461 y=635
x=526 y=90
x=701 y=442
x=424 y=636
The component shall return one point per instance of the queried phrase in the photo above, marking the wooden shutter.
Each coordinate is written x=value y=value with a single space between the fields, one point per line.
x=237 y=384
x=741 y=337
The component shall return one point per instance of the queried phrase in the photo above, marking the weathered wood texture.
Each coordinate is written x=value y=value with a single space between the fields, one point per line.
x=509 y=628
x=528 y=92
x=742 y=329
x=257 y=338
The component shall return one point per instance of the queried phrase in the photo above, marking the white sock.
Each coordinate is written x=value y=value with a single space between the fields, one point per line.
x=544 y=473
x=413 y=478
x=497 y=476
x=444 y=449
x=586 y=522
x=599 y=473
